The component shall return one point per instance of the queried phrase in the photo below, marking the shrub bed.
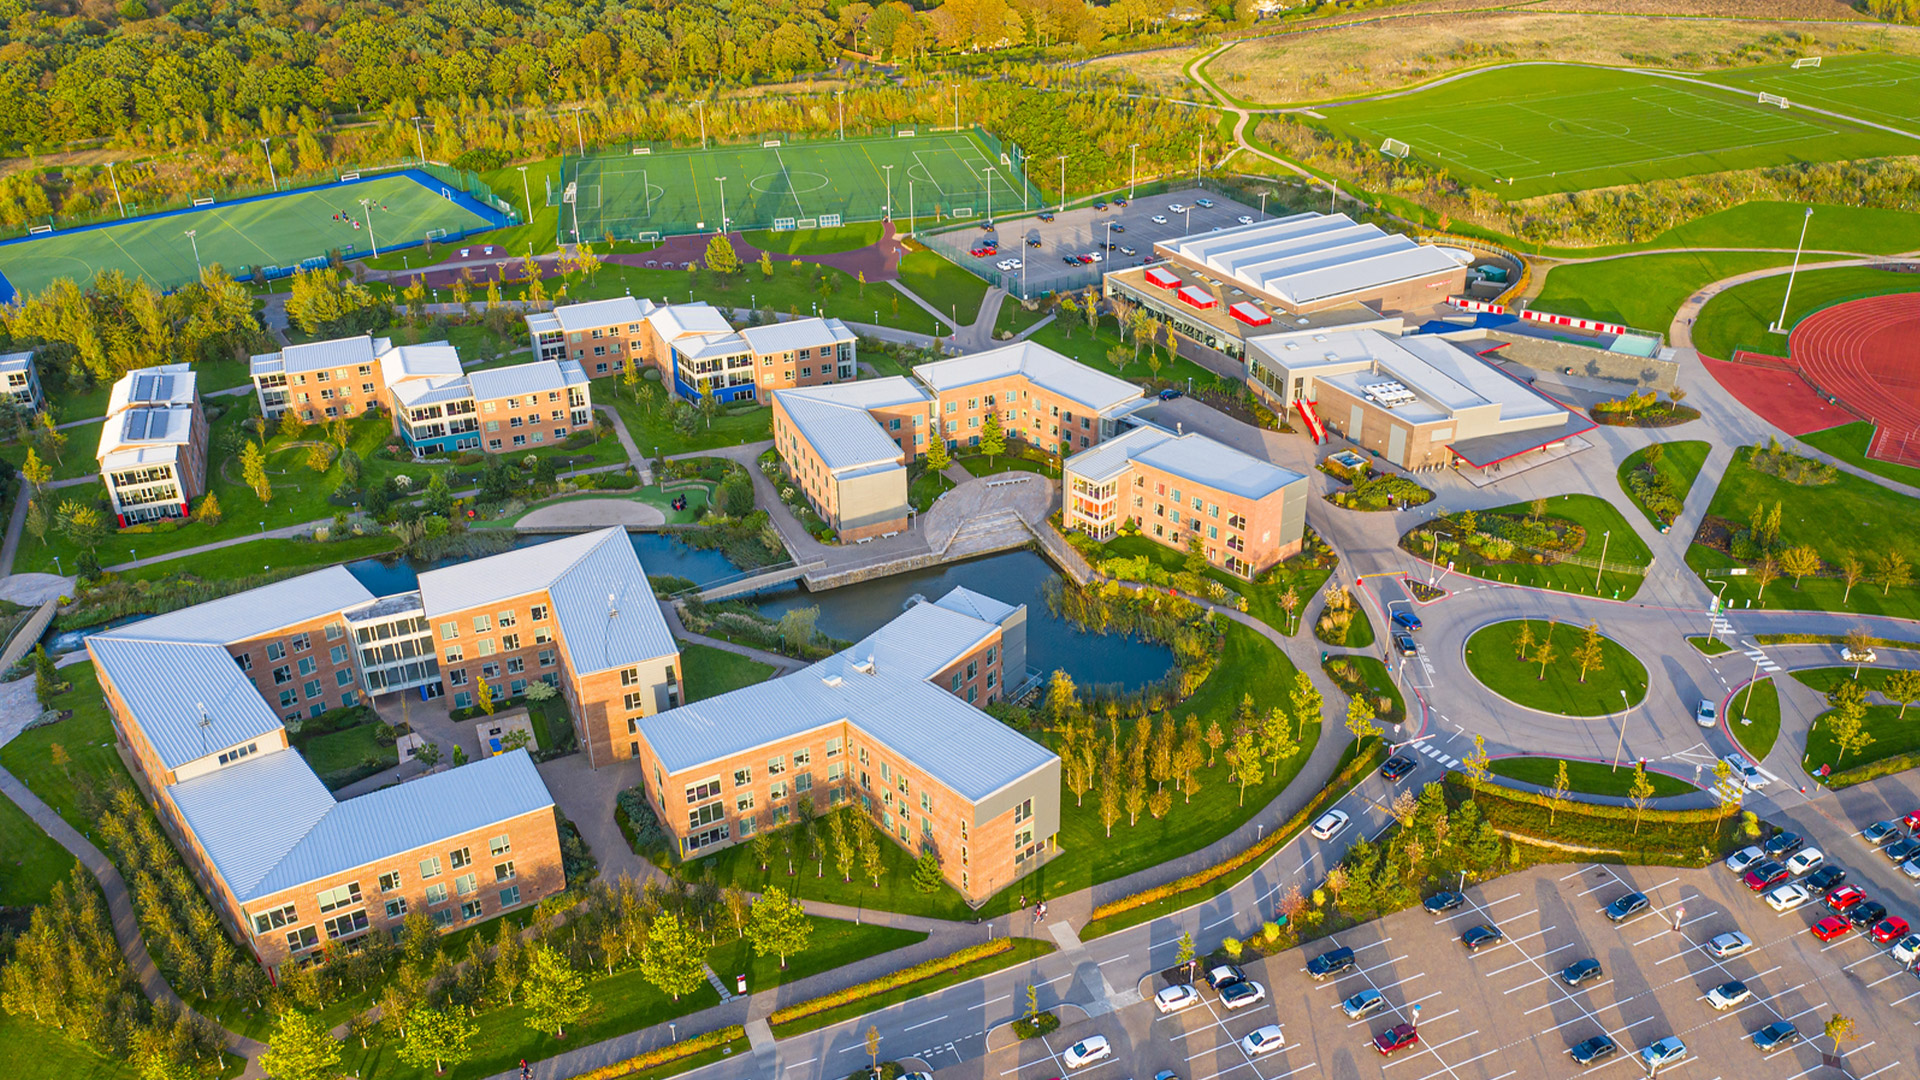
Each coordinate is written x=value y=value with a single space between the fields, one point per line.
x=1669 y=837
x=1382 y=493
x=1032 y=1027
x=903 y=977
x=673 y=1051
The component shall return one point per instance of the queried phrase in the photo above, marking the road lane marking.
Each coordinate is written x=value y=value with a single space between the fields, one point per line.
x=923 y=1023
x=984 y=1004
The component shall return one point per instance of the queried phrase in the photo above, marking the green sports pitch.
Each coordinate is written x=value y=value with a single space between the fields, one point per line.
x=633 y=196
x=1539 y=128
x=1882 y=89
x=278 y=230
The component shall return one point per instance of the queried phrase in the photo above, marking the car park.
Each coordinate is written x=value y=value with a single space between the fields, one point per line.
x=1907 y=949
x=1781 y=845
x=1264 y=1040
x=1481 y=936
x=1825 y=879
x=1330 y=824
x=1901 y=850
x=1890 y=929
x=1592 y=1050
x=1776 y=1035
x=1363 y=1004
x=1396 y=769
x=1406 y=620
x=1805 y=861
x=1580 y=971
x=1739 y=861
x=1728 y=995
x=1240 y=995
x=1397 y=1037
x=1880 y=832
x=1765 y=875
x=1865 y=915
x=1830 y=927
x=1732 y=943
x=1624 y=907
x=1662 y=1052
x=1442 y=902
x=1844 y=897
x=1176 y=997
x=1087 y=1051
x=1159 y=219
x=1333 y=962
x=1405 y=644
x=1787 y=897
x=1225 y=975
x=1706 y=715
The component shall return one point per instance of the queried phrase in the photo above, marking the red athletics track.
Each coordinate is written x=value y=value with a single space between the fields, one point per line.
x=1777 y=394
x=1867 y=354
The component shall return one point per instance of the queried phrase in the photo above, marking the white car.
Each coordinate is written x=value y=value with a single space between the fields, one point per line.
x=1911 y=868
x=1732 y=943
x=1005 y=264
x=1744 y=771
x=1240 y=995
x=1907 y=949
x=1177 y=208
x=1805 y=860
x=1745 y=857
x=1706 y=715
x=1787 y=897
x=1159 y=219
x=1865 y=656
x=1263 y=1041
x=1728 y=995
x=1332 y=822
x=1097 y=257
x=1207 y=203
x=1175 y=998
x=1016 y=263
x=1087 y=1051
x=1245 y=219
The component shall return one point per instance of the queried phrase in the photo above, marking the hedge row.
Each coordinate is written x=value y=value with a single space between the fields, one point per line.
x=897 y=979
x=1872 y=770
x=1600 y=810
x=1830 y=639
x=1687 y=837
x=686 y=1047
x=1258 y=851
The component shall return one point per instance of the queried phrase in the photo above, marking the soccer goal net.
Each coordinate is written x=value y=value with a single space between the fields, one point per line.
x=1394 y=148
x=1806 y=62
x=1773 y=99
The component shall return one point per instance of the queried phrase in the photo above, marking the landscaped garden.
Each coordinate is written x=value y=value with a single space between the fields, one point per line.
x=1658 y=477
x=710 y=672
x=1556 y=667
x=1554 y=543
x=1585 y=777
x=1871 y=728
x=1753 y=715
x=1144 y=559
x=1366 y=676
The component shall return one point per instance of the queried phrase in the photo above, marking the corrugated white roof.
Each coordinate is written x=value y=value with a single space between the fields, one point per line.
x=141 y=427
x=796 y=334
x=1193 y=456
x=538 y=377
x=979 y=605
x=340 y=352
x=620 y=310
x=252 y=613
x=1310 y=257
x=415 y=393
x=701 y=346
x=1096 y=390
x=678 y=320
x=164 y=684
x=542 y=322
x=15 y=361
x=249 y=815
x=1444 y=378
x=166 y=384
x=426 y=360
x=835 y=421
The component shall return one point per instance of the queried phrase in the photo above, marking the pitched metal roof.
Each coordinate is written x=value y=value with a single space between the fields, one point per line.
x=1310 y=257
x=538 y=377
x=142 y=426
x=1096 y=390
x=340 y=352
x=979 y=605
x=414 y=393
x=16 y=361
x=1192 y=456
x=152 y=387
x=835 y=421
x=252 y=613
x=247 y=816
x=677 y=320
x=165 y=684
x=425 y=360
x=700 y=346
x=796 y=334
x=620 y=310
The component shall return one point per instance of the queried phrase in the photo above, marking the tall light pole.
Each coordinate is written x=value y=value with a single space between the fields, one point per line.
x=1621 y=747
x=191 y=235
x=1263 y=206
x=700 y=105
x=419 y=141
x=722 y=181
x=1199 y=155
x=116 y=185
x=1605 y=539
x=841 y=97
x=888 y=169
x=1063 y=183
x=989 y=195
x=366 y=211
x=528 y=192
x=1133 y=169
x=579 y=137
x=910 y=209
x=1780 y=325
x=266 y=147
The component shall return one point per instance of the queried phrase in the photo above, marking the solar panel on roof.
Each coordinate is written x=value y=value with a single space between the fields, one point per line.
x=137 y=424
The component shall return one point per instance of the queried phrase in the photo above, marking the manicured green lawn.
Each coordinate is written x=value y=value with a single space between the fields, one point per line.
x=1777 y=225
x=981 y=465
x=834 y=942
x=87 y=736
x=1848 y=515
x=31 y=858
x=952 y=291
x=651 y=432
x=1606 y=530
x=1374 y=681
x=1071 y=338
x=793 y=288
x=1892 y=733
x=1014 y=318
x=1644 y=291
x=1586 y=777
x=817 y=241
x=1679 y=462
x=1492 y=660
x=1739 y=317
x=75 y=459
x=339 y=751
x=736 y=866
x=1849 y=443
x=926 y=490
x=710 y=672
x=1761 y=705
x=275 y=553
x=54 y=1056
x=1709 y=646
x=1263 y=597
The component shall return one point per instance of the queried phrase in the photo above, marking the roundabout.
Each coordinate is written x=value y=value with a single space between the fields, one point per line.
x=1537 y=664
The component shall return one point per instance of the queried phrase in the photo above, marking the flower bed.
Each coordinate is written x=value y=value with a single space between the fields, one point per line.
x=673 y=1051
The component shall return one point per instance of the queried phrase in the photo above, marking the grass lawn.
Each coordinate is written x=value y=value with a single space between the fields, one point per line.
x=1073 y=339
x=981 y=465
x=651 y=432
x=1025 y=950
x=87 y=736
x=1680 y=463
x=1892 y=733
x=1762 y=707
x=1777 y=224
x=276 y=553
x=1374 y=681
x=817 y=241
x=1709 y=646
x=1014 y=318
x=926 y=489
x=710 y=672
x=1644 y=291
x=76 y=458
x=736 y=866
x=54 y=1056
x=793 y=288
x=1585 y=777
x=1849 y=443
x=1849 y=514
x=1739 y=317
x=342 y=751
x=1491 y=659
x=32 y=859
x=1263 y=597
x=952 y=291
x=1623 y=548
x=834 y=942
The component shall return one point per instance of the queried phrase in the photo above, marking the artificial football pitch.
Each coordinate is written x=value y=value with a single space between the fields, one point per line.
x=1538 y=128
x=628 y=196
x=1882 y=89
x=280 y=230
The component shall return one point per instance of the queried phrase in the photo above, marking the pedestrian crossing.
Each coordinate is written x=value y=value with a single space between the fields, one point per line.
x=1762 y=661
x=1721 y=626
x=1427 y=749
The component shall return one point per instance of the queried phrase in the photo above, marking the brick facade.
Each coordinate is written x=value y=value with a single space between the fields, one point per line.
x=304 y=669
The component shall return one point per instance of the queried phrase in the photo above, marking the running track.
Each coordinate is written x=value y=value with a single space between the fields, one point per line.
x=1867 y=353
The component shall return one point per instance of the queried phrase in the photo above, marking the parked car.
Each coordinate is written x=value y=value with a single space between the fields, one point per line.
x=1901 y=850
x=1880 y=832
x=1363 y=1004
x=1592 y=1050
x=1739 y=861
x=1825 y=878
x=1662 y=1052
x=1778 y=1034
x=1204 y=203
x=1830 y=927
x=1731 y=943
x=1844 y=897
x=1176 y=997
x=1728 y=995
x=1805 y=861
x=1117 y=227
x=1328 y=964
x=1177 y=208
x=1125 y=250
x=1100 y=205
x=1159 y=219
x=1865 y=915
x=1707 y=714
x=1264 y=1040
x=1096 y=257
x=1119 y=202
x=1087 y=1051
x=1397 y=1037
x=1625 y=907
x=1330 y=824
x=1863 y=656
x=1172 y=392
x=1782 y=844
x=1442 y=902
x=1480 y=936
x=1766 y=874
x=1580 y=971
x=1911 y=821
x=1405 y=619
x=1225 y=975
x=1245 y=219
x=1046 y=215
x=1907 y=949
x=1405 y=644
x=1788 y=896
x=1397 y=768
x=1890 y=929
x=1242 y=994
x=1911 y=868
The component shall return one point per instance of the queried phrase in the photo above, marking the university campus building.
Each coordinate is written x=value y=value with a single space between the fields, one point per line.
x=19 y=380
x=693 y=346
x=436 y=406
x=1419 y=401
x=893 y=723
x=1247 y=514
x=153 y=446
x=202 y=700
x=1308 y=270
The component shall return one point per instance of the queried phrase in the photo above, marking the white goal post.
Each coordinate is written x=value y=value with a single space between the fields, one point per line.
x=1773 y=99
x=1394 y=148
x=1806 y=62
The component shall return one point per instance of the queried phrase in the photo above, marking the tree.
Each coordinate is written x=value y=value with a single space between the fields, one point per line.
x=1523 y=641
x=1067 y=310
x=38 y=520
x=1764 y=573
x=483 y=694
x=253 y=468
x=556 y=995
x=993 y=438
x=1892 y=572
x=292 y=424
x=1839 y=1028
x=1639 y=794
x=1539 y=507
x=1186 y=953
x=1800 y=561
x=49 y=437
x=301 y=1049
x=1852 y=571
x=766 y=266
x=1062 y=701
x=926 y=872
x=1847 y=724
x=778 y=927
x=1196 y=558
x=1903 y=688
x=846 y=845
x=1476 y=763
x=937 y=457
x=209 y=512
x=721 y=258
x=1590 y=654
x=873 y=1047
x=1360 y=716
x=437 y=1038
x=1857 y=642
x=36 y=472
x=46 y=678
x=797 y=628
x=871 y=857
x=1307 y=702
x=1545 y=653
x=84 y=525
x=1557 y=796
x=1214 y=737
x=1248 y=767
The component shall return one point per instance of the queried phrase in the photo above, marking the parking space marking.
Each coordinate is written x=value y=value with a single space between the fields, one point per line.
x=1290 y=1072
x=1357 y=971
x=1896 y=973
x=1434 y=1050
x=1906 y=999
x=1515 y=942
x=1876 y=1072
x=1862 y=960
x=1530 y=959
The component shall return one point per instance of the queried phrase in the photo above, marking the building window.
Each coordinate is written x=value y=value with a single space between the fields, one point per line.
x=311 y=688
x=833 y=748
x=390 y=881
x=268 y=921
x=282 y=674
x=471 y=910
x=705 y=789
x=337 y=654
x=338 y=897
x=466 y=884
x=449 y=631
x=742 y=777
x=482 y=623
x=510 y=897
x=630 y=676
x=436 y=894
x=430 y=866
x=275 y=650
x=926 y=802
x=443 y=918
x=302 y=642
x=341 y=925
x=835 y=771
x=238 y=752
x=776 y=765
x=776 y=791
x=303 y=939
x=802 y=758
x=460 y=858
x=499 y=845
x=397 y=908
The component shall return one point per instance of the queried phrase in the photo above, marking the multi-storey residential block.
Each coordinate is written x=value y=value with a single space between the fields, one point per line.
x=20 y=381
x=1247 y=514
x=322 y=380
x=801 y=352
x=848 y=447
x=893 y=724
x=153 y=446
x=528 y=404
x=1042 y=398
x=599 y=335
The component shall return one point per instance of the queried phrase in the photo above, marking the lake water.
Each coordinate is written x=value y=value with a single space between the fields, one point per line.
x=659 y=554
x=1016 y=577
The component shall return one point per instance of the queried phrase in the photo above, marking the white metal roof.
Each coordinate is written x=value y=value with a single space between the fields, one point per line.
x=252 y=613
x=426 y=360
x=16 y=361
x=165 y=684
x=701 y=346
x=141 y=429
x=835 y=421
x=542 y=322
x=537 y=377
x=151 y=387
x=618 y=311
x=1443 y=378
x=679 y=320
x=339 y=352
x=414 y=393
x=796 y=334
x=1096 y=390
x=1311 y=257
x=1192 y=456
x=979 y=605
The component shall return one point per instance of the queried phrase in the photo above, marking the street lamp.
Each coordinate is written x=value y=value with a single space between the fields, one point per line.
x=888 y=208
x=1263 y=206
x=1133 y=169
x=116 y=183
x=366 y=207
x=1780 y=325
x=1063 y=183
x=989 y=196
x=527 y=192
x=722 y=181
x=419 y=141
x=579 y=136
x=192 y=234
x=1605 y=539
x=701 y=106
x=841 y=97
x=1622 y=745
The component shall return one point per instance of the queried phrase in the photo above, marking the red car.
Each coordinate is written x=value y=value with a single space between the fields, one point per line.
x=1767 y=875
x=1892 y=928
x=1831 y=927
x=1845 y=897
x=1911 y=821
x=1398 y=1037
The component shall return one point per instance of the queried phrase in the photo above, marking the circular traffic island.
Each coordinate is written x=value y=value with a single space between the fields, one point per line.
x=1538 y=665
